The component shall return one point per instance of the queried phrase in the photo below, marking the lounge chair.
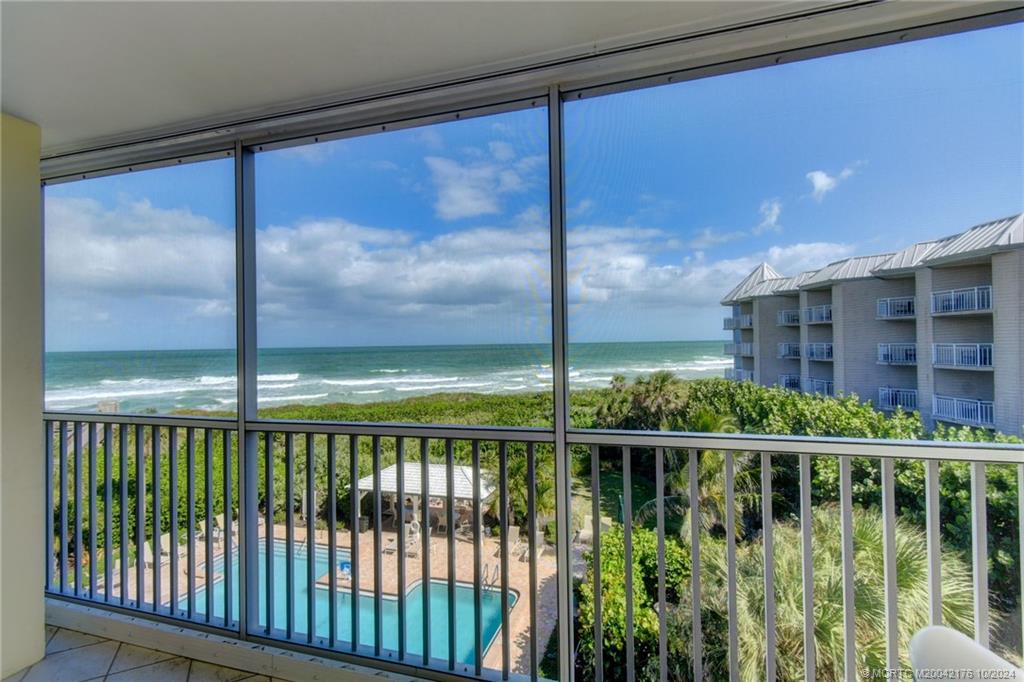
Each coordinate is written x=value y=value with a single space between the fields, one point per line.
x=514 y=543
x=165 y=546
x=147 y=556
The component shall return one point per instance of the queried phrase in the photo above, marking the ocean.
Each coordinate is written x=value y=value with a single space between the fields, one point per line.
x=162 y=381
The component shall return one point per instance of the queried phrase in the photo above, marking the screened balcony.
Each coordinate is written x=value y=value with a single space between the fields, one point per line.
x=897 y=353
x=890 y=398
x=788 y=318
x=821 y=352
x=818 y=314
x=969 y=300
x=896 y=308
x=962 y=355
x=964 y=410
x=745 y=321
x=789 y=351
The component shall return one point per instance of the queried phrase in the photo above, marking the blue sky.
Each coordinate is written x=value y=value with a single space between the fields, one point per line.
x=438 y=234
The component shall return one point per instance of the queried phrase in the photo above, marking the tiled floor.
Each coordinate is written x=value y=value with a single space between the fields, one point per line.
x=75 y=657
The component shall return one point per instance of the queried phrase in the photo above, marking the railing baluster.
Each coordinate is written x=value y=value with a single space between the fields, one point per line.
x=289 y=541
x=425 y=505
x=934 y=542
x=122 y=446
x=449 y=451
x=93 y=525
x=531 y=506
x=48 y=492
x=730 y=564
x=378 y=578
x=1020 y=537
x=846 y=529
x=478 y=646
x=140 y=516
x=172 y=464
x=595 y=510
x=697 y=637
x=310 y=539
x=979 y=551
x=889 y=562
x=807 y=564
x=268 y=448
x=353 y=451
x=157 y=550
x=208 y=484
x=62 y=447
x=768 y=537
x=332 y=540
x=190 y=493
x=400 y=495
x=503 y=540
x=627 y=527
x=659 y=476
x=78 y=507
x=228 y=530
x=108 y=510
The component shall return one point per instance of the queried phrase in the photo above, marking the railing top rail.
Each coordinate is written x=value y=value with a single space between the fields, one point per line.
x=181 y=421
x=855 y=447
x=456 y=432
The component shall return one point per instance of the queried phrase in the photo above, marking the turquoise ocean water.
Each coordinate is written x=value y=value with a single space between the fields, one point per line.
x=163 y=381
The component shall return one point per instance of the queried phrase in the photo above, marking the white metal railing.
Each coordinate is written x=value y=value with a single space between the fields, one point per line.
x=745 y=348
x=820 y=386
x=896 y=307
x=791 y=381
x=744 y=321
x=789 y=351
x=962 y=300
x=818 y=351
x=890 y=398
x=818 y=314
x=963 y=410
x=738 y=374
x=977 y=355
x=788 y=318
x=897 y=353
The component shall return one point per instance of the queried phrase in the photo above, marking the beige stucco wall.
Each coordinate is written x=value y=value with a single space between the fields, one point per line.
x=1008 y=331
x=769 y=334
x=21 y=469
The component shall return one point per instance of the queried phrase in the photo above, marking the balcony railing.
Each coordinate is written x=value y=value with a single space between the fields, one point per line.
x=896 y=308
x=276 y=534
x=963 y=411
x=789 y=351
x=745 y=321
x=788 y=318
x=818 y=314
x=737 y=374
x=967 y=355
x=745 y=348
x=818 y=351
x=891 y=398
x=791 y=381
x=962 y=300
x=819 y=386
x=897 y=353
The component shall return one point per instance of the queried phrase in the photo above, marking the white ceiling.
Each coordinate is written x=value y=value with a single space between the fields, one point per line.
x=85 y=71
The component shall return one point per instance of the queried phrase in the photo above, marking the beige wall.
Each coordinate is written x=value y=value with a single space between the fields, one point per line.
x=925 y=376
x=769 y=334
x=1008 y=331
x=21 y=468
x=960 y=277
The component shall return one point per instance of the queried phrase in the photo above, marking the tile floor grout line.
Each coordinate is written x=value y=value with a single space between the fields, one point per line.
x=112 y=660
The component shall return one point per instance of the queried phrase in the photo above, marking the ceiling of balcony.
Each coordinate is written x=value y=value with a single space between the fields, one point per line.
x=86 y=71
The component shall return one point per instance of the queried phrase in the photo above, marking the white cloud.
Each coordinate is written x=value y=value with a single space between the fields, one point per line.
x=581 y=209
x=770 y=211
x=468 y=190
x=822 y=183
x=708 y=237
x=502 y=151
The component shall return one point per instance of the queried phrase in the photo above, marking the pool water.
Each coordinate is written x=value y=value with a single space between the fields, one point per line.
x=490 y=604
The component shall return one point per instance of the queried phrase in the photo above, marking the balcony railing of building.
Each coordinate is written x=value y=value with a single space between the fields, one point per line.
x=966 y=355
x=971 y=299
x=234 y=535
x=896 y=308
x=738 y=374
x=819 y=386
x=788 y=318
x=897 y=353
x=890 y=398
x=818 y=314
x=745 y=321
x=963 y=411
x=789 y=351
x=745 y=348
x=818 y=351
x=791 y=381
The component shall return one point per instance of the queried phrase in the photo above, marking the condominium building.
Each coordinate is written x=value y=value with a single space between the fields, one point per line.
x=936 y=327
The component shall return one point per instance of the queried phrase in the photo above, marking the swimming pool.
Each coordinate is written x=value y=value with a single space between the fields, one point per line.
x=490 y=604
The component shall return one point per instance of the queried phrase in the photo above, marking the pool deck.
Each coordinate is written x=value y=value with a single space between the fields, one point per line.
x=518 y=579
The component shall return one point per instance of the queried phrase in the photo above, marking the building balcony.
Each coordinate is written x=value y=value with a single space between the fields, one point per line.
x=818 y=314
x=788 y=318
x=790 y=381
x=897 y=353
x=819 y=386
x=962 y=355
x=738 y=374
x=745 y=321
x=745 y=348
x=960 y=301
x=963 y=411
x=789 y=351
x=890 y=398
x=897 y=308
x=821 y=352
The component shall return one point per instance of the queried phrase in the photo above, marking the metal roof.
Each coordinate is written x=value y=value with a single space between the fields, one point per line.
x=904 y=262
x=858 y=267
x=791 y=285
x=980 y=240
x=437 y=481
x=757 y=276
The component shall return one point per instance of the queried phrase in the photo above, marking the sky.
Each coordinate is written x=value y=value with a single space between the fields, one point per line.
x=439 y=234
